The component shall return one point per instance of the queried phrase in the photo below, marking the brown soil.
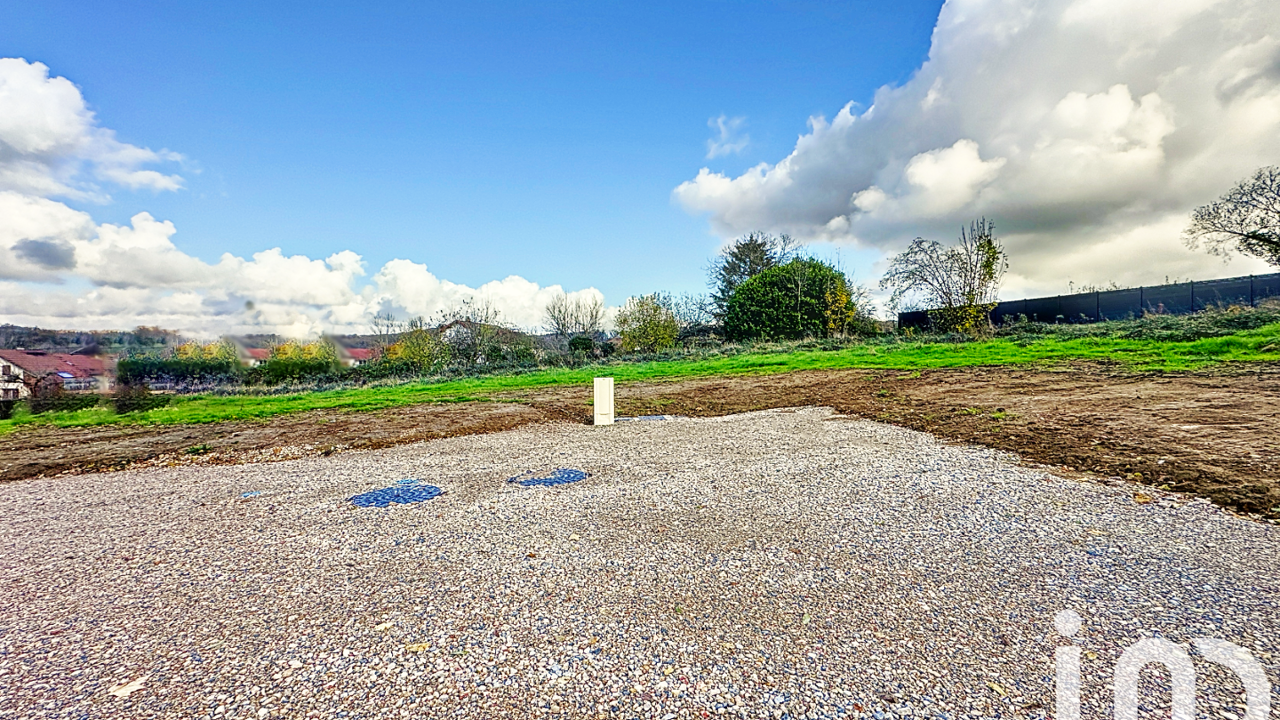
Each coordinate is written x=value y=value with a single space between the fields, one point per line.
x=1214 y=435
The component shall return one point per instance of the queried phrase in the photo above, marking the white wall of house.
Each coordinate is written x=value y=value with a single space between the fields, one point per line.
x=11 y=385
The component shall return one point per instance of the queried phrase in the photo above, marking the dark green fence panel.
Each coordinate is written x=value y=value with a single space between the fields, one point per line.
x=1177 y=299
x=1120 y=304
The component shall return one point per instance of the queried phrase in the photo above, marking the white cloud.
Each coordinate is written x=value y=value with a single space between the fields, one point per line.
x=58 y=268
x=412 y=287
x=729 y=139
x=1087 y=129
x=50 y=144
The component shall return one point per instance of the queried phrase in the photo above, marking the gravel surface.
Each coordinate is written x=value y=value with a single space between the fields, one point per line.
x=788 y=563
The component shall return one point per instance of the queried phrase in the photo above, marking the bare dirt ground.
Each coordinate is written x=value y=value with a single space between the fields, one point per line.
x=1216 y=435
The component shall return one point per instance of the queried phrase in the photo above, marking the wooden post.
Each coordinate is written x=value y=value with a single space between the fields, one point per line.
x=604 y=401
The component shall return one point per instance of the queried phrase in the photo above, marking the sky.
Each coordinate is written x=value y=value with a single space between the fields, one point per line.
x=297 y=168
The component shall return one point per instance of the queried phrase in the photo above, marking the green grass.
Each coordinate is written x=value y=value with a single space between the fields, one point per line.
x=1137 y=355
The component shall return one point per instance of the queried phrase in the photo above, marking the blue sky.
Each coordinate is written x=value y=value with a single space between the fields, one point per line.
x=482 y=139
x=297 y=168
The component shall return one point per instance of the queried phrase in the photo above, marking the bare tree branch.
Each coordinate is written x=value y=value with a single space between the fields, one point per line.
x=1246 y=219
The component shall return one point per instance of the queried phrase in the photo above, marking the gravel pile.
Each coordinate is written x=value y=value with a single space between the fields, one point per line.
x=782 y=564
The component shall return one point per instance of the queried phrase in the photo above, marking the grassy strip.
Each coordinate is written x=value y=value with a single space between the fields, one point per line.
x=1260 y=345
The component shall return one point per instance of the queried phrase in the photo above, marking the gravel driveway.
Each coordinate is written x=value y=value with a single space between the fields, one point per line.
x=776 y=564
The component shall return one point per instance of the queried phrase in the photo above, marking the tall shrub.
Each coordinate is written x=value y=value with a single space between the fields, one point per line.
x=801 y=299
x=646 y=325
x=747 y=257
x=420 y=350
x=294 y=360
x=190 y=363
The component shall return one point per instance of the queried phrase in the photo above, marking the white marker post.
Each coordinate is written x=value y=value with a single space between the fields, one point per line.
x=604 y=401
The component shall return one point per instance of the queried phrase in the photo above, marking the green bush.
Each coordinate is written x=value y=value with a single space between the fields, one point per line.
x=801 y=299
x=419 y=351
x=136 y=397
x=646 y=325
x=294 y=361
x=582 y=344
x=6 y=408
x=179 y=370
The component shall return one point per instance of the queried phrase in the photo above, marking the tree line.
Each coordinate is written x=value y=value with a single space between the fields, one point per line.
x=760 y=288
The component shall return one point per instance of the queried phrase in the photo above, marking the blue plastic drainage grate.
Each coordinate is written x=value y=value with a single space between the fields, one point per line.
x=404 y=491
x=559 y=476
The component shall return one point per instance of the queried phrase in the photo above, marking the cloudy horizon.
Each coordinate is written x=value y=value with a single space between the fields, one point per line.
x=134 y=273
x=1087 y=130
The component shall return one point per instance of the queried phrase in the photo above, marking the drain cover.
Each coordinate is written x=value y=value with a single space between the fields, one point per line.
x=559 y=476
x=404 y=491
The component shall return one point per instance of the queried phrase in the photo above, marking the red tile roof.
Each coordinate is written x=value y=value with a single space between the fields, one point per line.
x=40 y=363
x=361 y=354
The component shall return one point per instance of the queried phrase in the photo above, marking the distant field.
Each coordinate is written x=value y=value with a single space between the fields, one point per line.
x=1258 y=345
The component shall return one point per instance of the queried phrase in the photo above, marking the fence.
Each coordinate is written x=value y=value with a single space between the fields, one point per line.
x=1176 y=299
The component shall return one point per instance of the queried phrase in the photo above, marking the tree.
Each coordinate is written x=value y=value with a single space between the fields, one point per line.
x=579 y=316
x=472 y=330
x=419 y=348
x=958 y=284
x=801 y=299
x=848 y=310
x=293 y=360
x=645 y=325
x=747 y=257
x=693 y=313
x=386 y=328
x=1245 y=219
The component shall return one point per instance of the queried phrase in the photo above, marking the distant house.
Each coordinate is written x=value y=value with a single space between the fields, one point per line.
x=252 y=357
x=20 y=370
x=354 y=357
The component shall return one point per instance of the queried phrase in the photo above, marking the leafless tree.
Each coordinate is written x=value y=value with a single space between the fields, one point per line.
x=690 y=310
x=959 y=282
x=473 y=330
x=386 y=327
x=1245 y=219
x=579 y=316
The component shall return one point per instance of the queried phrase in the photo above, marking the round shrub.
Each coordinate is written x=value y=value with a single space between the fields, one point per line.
x=801 y=299
x=646 y=325
x=582 y=344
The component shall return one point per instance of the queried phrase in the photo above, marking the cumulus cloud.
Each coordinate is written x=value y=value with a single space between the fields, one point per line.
x=51 y=145
x=59 y=268
x=421 y=293
x=1088 y=129
x=729 y=138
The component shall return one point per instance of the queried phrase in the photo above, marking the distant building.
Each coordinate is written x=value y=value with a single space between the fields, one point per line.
x=20 y=370
x=252 y=357
x=354 y=357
